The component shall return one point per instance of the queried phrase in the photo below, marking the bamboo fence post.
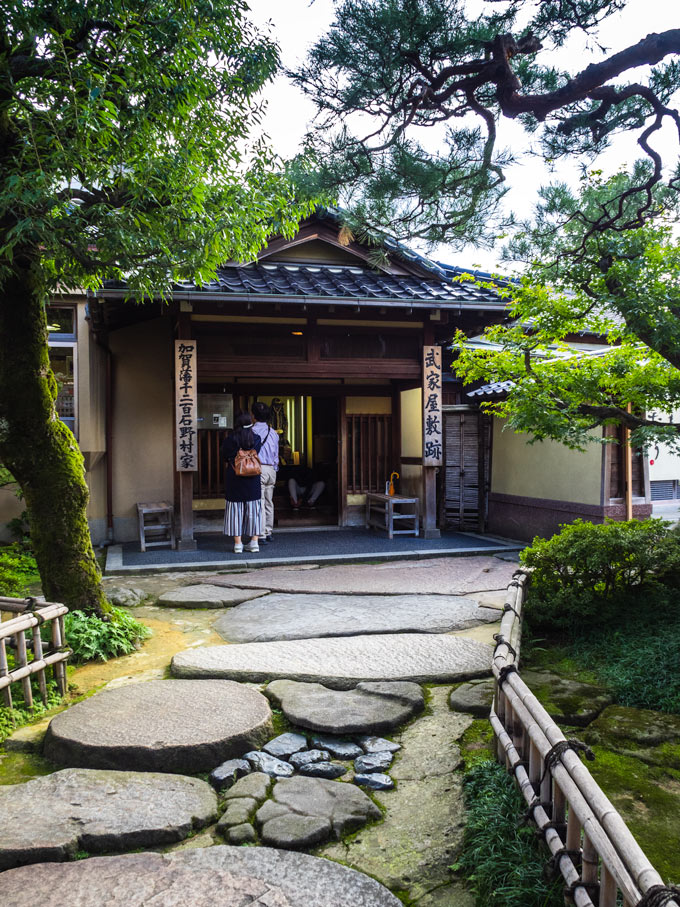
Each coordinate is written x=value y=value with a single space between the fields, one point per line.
x=22 y=661
x=4 y=671
x=534 y=765
x=608 y=888
x=38 y=656
x=57 y=642
x=590 y=860
x=509 y=727
x=559 y=812
x=573 y=831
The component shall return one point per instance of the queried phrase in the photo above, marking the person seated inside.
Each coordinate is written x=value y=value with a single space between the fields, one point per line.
x=305 y=486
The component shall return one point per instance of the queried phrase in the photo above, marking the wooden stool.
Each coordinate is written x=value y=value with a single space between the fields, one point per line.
x=158 y=519
x=385 y=505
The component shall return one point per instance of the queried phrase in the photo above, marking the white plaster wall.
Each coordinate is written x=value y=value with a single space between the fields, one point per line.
x=546 y=469
x=143 y=452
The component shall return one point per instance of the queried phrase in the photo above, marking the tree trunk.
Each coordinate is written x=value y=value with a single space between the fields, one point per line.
x=40 y=450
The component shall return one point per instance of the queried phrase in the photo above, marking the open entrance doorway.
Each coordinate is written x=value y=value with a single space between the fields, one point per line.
x=306 y=492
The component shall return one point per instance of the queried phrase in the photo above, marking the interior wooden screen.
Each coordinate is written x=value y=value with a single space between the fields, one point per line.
x=209 y=477
x=466 y=469
x=369 y=452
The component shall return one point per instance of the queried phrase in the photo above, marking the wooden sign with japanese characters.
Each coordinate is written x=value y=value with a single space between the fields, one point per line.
x=185 y=406
x=433 y=433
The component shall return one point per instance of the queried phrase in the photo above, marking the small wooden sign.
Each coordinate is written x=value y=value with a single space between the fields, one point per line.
x=186 y=453
x=433 y=431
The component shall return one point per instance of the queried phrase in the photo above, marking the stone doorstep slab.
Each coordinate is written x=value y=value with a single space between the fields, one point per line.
x=237 y=876
x=52 y=817
x=341 y=663
x=280 y=616
x=420 y=575
x=370 y=708
x=160 y=725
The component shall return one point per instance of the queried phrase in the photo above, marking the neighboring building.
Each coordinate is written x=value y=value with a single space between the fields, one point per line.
x=336 y=345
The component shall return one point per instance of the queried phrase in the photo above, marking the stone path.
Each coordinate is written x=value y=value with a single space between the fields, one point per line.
x=416 y=844
x=284 y=616
x=237 y=876
x=342 y=652
x=342 y=662
x=163 y=725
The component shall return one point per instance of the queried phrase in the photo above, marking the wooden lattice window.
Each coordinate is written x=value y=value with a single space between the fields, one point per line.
x=369 y=452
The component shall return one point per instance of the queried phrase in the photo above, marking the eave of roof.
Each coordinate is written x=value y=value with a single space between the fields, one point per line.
x=321 y=284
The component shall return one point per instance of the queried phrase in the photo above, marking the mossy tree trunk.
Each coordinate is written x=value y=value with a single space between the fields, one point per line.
x=40 y=450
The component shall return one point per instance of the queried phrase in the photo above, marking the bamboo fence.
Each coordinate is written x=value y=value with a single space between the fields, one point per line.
x=30 y=616
x=588 y=840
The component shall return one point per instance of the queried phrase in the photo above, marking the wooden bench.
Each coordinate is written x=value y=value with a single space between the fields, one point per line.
x=383 y=509
x=156 y=524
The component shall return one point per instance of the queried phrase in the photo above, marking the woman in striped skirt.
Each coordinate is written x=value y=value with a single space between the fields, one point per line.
x=243 y=510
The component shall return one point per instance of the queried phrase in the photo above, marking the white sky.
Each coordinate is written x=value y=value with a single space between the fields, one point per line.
x=296 y=25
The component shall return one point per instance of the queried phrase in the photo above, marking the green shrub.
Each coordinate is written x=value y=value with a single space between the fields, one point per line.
x=92 y=638
x=18 y=570
x=587 y=575
x=501 y=859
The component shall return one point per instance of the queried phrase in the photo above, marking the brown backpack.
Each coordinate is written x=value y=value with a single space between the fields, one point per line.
x=247 y=463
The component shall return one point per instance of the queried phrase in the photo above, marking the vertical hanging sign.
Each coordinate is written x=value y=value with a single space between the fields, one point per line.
x=433 y=437
x=186 y=454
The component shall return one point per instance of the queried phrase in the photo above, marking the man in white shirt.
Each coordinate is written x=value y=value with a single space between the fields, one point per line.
x=269 y=458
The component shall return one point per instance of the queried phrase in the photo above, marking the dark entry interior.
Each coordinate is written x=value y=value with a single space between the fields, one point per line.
x=306 y=491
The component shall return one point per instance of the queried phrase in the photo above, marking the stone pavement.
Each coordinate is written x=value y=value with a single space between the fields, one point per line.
x=339 y=669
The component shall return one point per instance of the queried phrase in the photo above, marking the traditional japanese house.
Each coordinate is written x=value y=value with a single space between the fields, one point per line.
x=350 y=352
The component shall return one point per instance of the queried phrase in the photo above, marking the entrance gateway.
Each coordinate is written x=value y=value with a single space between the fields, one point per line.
x=352 y=356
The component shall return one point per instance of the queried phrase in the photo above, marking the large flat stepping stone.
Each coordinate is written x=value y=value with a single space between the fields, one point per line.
x=205 y=595
x=284 y=616
x=164 y=725
x=434 y=576
x=370 y=708
x=303 y=812
x=233 y=876
x=51 y=818
x=341 y=663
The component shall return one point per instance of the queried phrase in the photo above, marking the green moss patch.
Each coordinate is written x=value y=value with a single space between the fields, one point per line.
x=15 y=768
x=477 y=743
x=648 y=798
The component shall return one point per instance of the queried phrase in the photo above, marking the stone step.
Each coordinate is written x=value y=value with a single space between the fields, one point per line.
x=52 y=817
x=161 y=725
x=282 y=616
x=237 y=876
x=341 y=662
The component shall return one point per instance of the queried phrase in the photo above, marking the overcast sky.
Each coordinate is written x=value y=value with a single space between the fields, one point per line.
x=296 y=24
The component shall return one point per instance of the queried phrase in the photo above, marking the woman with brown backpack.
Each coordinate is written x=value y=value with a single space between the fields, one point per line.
x=243 y=510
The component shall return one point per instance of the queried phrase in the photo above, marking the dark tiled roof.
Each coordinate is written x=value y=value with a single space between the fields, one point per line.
x=495 y=389
x=342 y=282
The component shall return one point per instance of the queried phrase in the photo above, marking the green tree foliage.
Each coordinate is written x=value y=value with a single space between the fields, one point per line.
x=388 y=68
x=620 y=290
x=124 y=153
